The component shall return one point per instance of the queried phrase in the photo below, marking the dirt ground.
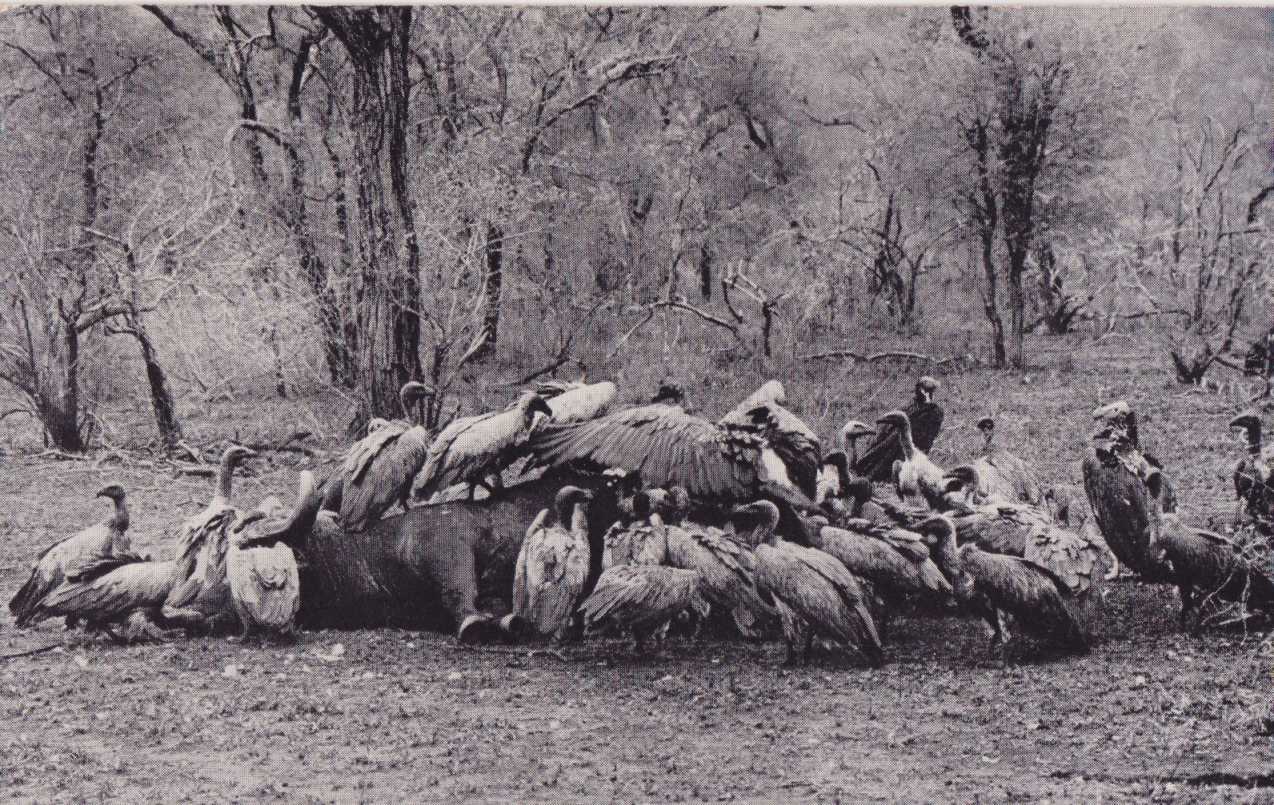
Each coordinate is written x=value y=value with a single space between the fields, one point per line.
x=389 y=715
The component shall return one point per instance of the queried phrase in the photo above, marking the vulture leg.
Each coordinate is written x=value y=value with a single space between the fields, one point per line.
x=809 y=647
x=138 y=628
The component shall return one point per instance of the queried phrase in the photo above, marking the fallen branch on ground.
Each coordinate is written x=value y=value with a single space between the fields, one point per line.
x=875 y=356
x=30 y=652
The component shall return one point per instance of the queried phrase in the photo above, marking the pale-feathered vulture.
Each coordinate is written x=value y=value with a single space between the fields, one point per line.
x=577 y=402
x=925 y=417
x=111 y=590
x=1252 y=485
x=552 y=566
x=379 y=469
x=667 y=447
x=1004 y=475
x=997 y=587
x=101 y=541
x=264 y=580
x=642 y=599
x=913 y=475
x=1208 y=567
x=476 y=449
x=838 y=476
x=727 y=571
x=1019 y=529
x=1124 y=493
x=814 y=594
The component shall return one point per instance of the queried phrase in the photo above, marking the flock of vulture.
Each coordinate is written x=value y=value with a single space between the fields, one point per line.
x=634 y=521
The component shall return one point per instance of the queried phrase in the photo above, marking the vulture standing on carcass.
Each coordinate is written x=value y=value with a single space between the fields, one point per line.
x=106 y=539
x=717 y=464
x=1252 y=484
x=726 y=568
x=553 y=564
x=925 y=416
x=996 y=587
x=1126 y=493
x=379 y=469
x=476 y=449
x=264 y=580
x=204 y=593
x=913 y=475
x=1207 y=566
x=814 y=594
x=1019 y=529
x=892 y=563
x=1004 y=475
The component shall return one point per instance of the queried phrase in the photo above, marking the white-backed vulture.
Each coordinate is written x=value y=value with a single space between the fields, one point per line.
x=925 y=416
x=379 y=469
x=553 y=563
x=997 y=587
x=813 y=592
x=473 y=448
x=1004 y=475
x=914 y=475
x=1208 y=567
x=642 y=599
x=577 y=402
x=262 y=572
x=793 y=442
x=894 y=562
x=106 y=539
x=641 y=539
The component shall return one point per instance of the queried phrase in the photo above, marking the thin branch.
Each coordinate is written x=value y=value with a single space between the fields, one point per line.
x=875 y=356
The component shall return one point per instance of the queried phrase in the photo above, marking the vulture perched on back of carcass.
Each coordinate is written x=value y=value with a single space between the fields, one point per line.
x=718 y=464
x=1126 y=493
x=925 y=417
x=104 y=540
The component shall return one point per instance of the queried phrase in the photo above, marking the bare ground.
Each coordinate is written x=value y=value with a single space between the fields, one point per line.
x=387 y=715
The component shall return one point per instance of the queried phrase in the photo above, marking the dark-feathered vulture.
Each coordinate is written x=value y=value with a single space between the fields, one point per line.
x=552 y=565
x=476 y=449
x=1205 y=566
x=1120 y=421
x=1124 y=492
x=642 y=599
x=925 y=417
x=996 y=587
x=379 y=469
x=1252 y=474
x=814 y=594
x=1004 y=475
x=641 y=539
x=106 y=539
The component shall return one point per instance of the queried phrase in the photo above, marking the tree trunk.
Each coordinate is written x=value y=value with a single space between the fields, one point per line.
x=161 y=400
x=492 y=290
x=389 y=342
x=705 y=272
x=61 y=418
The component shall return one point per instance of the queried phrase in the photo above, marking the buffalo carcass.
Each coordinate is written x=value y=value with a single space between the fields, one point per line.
x=443 y=566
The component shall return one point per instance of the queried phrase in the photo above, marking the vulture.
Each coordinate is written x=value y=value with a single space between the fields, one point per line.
x=727 y=569
x=925 y=417
x=641 y=539
x=1019 y=529
x=262 y=572
x=795 y=443
x=1004 y=475
x=1068 y=506
x=1125 y=492
x=476 y=449
x=203 y=592
x=715 y=463
x=1121 y=421
x=642 y=599
x=576 y=402
x=814 y=594
x=553 y=563
x=914 y=475
x=106 y=539
x=378 y=470
x=837 y=477
x=997 y=588
x=1252 y=484
x=894 y=564
x=1207 y=566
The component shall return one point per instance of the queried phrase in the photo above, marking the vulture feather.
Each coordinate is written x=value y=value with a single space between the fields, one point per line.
x=925 y=417
x=379 y=469
x=641 y=598
x=1207 y=566
x=552 y=565
x=1004 y=475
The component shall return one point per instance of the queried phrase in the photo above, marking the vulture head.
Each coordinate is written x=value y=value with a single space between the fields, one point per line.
x=936 y=530
x=622 y=482
x=1251 y=426
x=376 y=423
x=925 y=389
x=853 y=430
x=412 y=393
x=531 y=404
x=895 y=419
x=670 y=393
x=1114 y=422
x=236 y=455
x=114 y=491
x=760 y=519
x=566 y=500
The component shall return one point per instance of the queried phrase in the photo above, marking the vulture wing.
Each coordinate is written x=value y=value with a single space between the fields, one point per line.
x=727 y=570
x=471 y=447
x=51 y=567
x=664 y=444
x=577 y=402
x=385 y=479
x=363 y=452
x=639 y=595
x=133 y=585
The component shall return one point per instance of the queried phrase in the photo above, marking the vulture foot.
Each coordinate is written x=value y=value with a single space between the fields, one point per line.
x=139 y=628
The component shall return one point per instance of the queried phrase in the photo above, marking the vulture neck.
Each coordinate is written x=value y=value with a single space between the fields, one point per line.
x=986 y=445
x=908 y=446
x=579 y=522
x=118 y=520
x=947 y=555
x=224 y=475
x=1254 y=440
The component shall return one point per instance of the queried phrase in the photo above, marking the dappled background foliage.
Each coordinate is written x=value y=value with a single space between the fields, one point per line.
x=210 y=204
